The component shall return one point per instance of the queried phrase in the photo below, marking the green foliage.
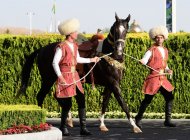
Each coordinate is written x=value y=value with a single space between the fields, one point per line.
x=21 y=115
x=14 y=49
x=13 y=52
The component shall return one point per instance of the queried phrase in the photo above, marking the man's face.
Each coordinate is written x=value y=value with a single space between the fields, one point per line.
x=74 y=35
x=159 y=39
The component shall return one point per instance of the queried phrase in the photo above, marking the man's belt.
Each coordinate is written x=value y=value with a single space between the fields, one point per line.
x=156 y=74
x=68 y=69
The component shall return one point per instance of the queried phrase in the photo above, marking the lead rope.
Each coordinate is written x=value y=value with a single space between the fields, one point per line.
x=149 y=66
x=86 y=73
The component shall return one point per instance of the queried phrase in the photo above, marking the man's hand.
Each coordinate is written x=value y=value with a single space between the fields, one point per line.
x=95 y=59
x=61 y=80
x=141 y=61
x=170 y=72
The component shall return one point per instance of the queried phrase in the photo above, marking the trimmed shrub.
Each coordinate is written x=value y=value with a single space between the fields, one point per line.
x=15 y=115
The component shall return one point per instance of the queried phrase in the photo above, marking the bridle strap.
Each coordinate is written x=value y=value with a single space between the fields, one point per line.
x=114 y=42
x=120 y=40
x=110 y=34
x=111 y=42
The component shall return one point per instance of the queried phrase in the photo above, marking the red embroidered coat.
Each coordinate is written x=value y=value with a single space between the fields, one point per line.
x=154 y=81
x=67 y=66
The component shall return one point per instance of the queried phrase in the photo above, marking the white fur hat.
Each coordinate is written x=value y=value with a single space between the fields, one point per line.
x=160 y=30
x=69 y=26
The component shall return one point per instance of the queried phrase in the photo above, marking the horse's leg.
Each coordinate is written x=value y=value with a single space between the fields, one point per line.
x=106 y=96
x=117 y=94
x=45 y=88
x=69 y=119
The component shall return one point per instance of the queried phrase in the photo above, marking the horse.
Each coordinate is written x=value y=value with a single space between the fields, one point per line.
x=107 y=73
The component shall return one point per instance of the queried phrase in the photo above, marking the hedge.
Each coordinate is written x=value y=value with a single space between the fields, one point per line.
x=14 y=49
x=21 y=115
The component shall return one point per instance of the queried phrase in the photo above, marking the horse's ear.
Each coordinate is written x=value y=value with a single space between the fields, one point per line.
x=116 y=17
x=128 y=18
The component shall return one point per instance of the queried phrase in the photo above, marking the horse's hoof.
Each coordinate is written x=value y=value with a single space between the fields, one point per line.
x=70 y=122
x=104 y=128
x=137 y=130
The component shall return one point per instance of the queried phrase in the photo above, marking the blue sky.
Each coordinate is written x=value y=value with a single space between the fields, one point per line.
x=92 y=14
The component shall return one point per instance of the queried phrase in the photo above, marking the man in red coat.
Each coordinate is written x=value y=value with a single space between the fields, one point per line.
x=156 y=58
x=68 y=84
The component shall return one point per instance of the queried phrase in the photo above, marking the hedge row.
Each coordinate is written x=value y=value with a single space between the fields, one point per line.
x=21 y=115
x=14 y=49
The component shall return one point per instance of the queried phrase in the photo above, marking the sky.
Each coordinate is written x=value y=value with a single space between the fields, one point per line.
x=92 y=14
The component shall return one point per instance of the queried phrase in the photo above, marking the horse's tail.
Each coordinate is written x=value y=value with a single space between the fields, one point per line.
x=25 y=75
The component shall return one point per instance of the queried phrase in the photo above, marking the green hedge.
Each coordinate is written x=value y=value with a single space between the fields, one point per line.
x=21 y=114
x=13 y=50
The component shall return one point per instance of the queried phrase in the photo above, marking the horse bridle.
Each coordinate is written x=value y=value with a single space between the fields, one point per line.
x=109 y=59
x=115 y=41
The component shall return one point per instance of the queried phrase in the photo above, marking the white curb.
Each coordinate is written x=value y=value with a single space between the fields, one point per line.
x=52 y=134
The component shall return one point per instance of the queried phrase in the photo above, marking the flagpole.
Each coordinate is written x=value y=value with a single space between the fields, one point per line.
x=30 y=14
x=55 y=23
x=173 y=16
x=164 y=5
x=54 y=16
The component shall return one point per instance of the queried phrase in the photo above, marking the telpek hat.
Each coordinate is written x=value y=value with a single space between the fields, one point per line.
x=159 y=30
x=69 y=26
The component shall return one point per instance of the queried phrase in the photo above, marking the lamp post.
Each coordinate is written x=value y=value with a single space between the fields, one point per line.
x=30 y=14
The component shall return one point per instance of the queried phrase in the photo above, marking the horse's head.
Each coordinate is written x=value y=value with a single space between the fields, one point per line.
x=117 y=36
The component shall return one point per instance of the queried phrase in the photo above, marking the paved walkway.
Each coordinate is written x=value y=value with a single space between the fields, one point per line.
x=121 y=130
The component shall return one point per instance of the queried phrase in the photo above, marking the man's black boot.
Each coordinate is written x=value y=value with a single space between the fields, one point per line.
x=63 y=126
x=168 y=110
x=139 y=116
x=82 y=117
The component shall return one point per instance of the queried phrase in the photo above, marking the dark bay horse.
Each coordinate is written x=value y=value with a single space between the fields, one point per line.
x=108 y=72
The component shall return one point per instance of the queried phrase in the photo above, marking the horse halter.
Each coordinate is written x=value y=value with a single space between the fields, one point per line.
x=116 y=38
x=114 y=42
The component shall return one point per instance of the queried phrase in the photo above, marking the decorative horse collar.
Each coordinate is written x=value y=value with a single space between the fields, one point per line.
x=113 y=62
